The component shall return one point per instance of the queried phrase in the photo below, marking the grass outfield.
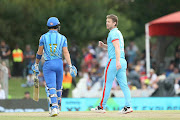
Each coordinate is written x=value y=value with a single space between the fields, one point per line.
x=17 y=92
x=136 y=115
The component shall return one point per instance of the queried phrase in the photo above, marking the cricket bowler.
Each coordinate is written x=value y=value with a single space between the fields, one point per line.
x=116 y=66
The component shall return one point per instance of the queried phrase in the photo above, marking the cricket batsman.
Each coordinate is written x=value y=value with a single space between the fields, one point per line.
x=116 y=66
x=54 y=45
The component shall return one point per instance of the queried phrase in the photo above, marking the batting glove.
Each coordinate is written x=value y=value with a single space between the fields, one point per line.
x=35 y=68
x=73 y=70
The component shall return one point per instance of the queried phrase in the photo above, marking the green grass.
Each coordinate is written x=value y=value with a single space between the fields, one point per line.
x=136 y=115
x=17 y=92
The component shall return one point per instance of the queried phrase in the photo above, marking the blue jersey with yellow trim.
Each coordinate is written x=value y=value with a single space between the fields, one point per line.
x=113 y=35
x=53 y=43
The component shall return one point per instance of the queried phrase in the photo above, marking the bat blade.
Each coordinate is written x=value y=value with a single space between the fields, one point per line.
x=36 y=89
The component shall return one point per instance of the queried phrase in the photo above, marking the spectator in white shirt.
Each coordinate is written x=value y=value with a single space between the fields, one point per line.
x=2 y=93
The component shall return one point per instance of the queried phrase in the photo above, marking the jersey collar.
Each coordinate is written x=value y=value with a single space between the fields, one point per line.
x=114 y=29
x=53 y=31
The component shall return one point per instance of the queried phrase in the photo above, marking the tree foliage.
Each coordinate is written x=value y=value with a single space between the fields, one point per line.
x=24 y=21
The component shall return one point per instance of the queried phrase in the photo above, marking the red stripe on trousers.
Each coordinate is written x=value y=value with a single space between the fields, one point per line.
x=114 y=40
x=105 y=83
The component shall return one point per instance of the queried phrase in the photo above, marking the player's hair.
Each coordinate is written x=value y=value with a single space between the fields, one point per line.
x=53 y=27
x=114 y=18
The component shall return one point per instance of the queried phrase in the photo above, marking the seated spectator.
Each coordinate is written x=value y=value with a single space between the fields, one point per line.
x=134 y=78
x=30 y=79
x=27 y=96
x=170 y=69
x=177 y=56
x=177 y=85
x=30 y=76
x=153 y=79
x=168 y=86
x=89 y=81
x=96 y=74
x=174 y=74
x=140 y=67
x=103 y=58
x=2 y=93
x=41 y=79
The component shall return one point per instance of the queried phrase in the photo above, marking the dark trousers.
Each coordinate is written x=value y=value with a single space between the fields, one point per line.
x=65 y=93
x=17 y=68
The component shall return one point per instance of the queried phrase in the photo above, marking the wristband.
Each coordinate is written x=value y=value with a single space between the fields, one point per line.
x=38 y=56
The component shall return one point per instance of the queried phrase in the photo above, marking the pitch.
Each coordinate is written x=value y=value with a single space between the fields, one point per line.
x=136 y=115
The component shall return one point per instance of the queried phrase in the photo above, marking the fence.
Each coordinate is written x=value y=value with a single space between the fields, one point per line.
x=4 y=80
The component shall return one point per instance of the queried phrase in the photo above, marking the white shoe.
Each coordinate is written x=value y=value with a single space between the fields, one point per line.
x=58 y=111
x=126 y=110
x=49 y=110
x=98 y=109
x=54 y=112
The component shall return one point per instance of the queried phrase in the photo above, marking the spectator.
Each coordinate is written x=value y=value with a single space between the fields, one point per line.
x=5 y=53
x=170 y=69
x=175 y=74
x=89 y=81
x=2 y=93
x=28 y=56
x=30 y=75
x=132 y=51
x=177 y=56
x=96 y=74
x=88 y=60
x=134 y=78
x=131 y=55
x=140 y=67
x=27 y=96
x=103 y=58
x=177 y=85
x=41 y=79
x=17 y=54
x=74 y=53
x=67 y=82
x=153 y=79
x=133 y=46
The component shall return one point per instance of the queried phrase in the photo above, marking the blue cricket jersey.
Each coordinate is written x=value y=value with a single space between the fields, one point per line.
x=114 y=35
x=53 y=43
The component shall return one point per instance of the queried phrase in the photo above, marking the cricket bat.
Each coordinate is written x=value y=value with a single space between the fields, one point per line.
x=36 y=89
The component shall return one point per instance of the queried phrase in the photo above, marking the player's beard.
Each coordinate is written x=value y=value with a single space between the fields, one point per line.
x=110 y=28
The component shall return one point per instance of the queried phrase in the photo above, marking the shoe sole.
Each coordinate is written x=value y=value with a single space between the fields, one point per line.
x=127 y=112
x=54 y=115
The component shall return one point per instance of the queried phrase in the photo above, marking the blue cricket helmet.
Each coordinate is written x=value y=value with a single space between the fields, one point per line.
x=53 y=21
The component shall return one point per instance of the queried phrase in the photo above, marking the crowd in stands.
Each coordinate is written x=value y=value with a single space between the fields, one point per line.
x=95 y=59
x=92 y=60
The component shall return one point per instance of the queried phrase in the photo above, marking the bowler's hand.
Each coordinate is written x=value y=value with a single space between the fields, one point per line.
x=118 y=65
x=101 y=44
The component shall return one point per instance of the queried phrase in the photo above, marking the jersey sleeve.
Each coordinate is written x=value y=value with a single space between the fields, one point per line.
x=65 y=42
x=41 y=41
x=114 y=36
